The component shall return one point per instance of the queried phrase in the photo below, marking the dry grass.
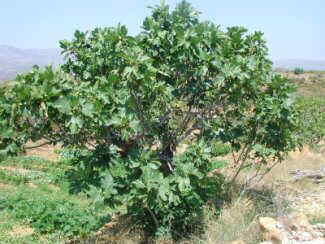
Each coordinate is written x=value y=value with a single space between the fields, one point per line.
x=309 y=83
x=271 y=197
x=6 y=186
x=304 y=160
x=20 y=231
x=237 y=221
x=46 y=151
x=304 y=194
x=312 y=91
x=119 y=231
x=18 y=170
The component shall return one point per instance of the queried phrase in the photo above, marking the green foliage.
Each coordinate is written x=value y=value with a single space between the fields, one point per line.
x=298 y=71
x=32 y=169
x=14 y=179
x=47 y=214
x=35 y=194
x=87 y=167
x=134 y=186
x=312 y=119
x=135 y=99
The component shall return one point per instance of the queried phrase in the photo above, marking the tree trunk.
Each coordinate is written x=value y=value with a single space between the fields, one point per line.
x=166 y=158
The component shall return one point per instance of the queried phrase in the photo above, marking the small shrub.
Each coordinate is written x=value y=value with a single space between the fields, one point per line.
x=298 y=71
x=47 y=214
x=312 y=120
x=15 y=179
x=165 y=205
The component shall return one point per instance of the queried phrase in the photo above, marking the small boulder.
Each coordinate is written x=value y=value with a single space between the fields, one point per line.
x=270 y=230
x=267 y=223
x=238 y=242
x=299 y=222
x=320 y=228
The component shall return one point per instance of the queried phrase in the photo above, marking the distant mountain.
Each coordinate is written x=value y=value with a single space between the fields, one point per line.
x=14 y=60
x=291 y=64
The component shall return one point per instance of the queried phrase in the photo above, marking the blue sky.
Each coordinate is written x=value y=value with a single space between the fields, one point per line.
x=293 y=28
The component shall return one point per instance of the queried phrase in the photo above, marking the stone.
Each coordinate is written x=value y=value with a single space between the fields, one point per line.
x=270 y=230
x=299 y=222
x=238 y=242
x=319 y=228
x=291 y=229
x=267 y=223
x=305 y=236
x=318 y=234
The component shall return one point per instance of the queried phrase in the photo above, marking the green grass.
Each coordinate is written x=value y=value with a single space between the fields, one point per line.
x=36 y=206
x=318 y=220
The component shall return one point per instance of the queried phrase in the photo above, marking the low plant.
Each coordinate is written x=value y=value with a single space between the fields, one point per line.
x=48 y=214
x=14 y=179
x=165 y=205
x=312 y=119
x=299 y=71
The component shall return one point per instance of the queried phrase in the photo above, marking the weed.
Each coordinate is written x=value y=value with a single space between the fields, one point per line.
x=48 y=214
x=318 y=220
x=312 y=112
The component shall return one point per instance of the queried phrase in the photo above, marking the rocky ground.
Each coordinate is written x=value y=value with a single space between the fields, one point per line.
x=304 y=193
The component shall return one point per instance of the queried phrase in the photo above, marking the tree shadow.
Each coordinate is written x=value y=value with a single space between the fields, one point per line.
x=265 y=200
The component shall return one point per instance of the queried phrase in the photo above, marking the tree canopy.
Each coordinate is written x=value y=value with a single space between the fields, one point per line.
x=134 y=99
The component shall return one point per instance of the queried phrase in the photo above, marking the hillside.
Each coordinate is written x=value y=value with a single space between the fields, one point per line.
x=14 y=60
x=291 y=64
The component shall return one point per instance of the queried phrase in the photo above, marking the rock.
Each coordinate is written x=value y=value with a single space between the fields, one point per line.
x=319 y=228
x=291 y=229
x=299 y=222
x=238 y=242
x=270 y=230
x=302 y=230
x=318 y=234
x=305 y=236
x=267 y=224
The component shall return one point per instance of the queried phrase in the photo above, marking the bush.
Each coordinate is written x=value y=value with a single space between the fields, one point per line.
x=312 y=119
x=298 y=71
x=135 y=99
x=164 y=204
x=48 y=215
